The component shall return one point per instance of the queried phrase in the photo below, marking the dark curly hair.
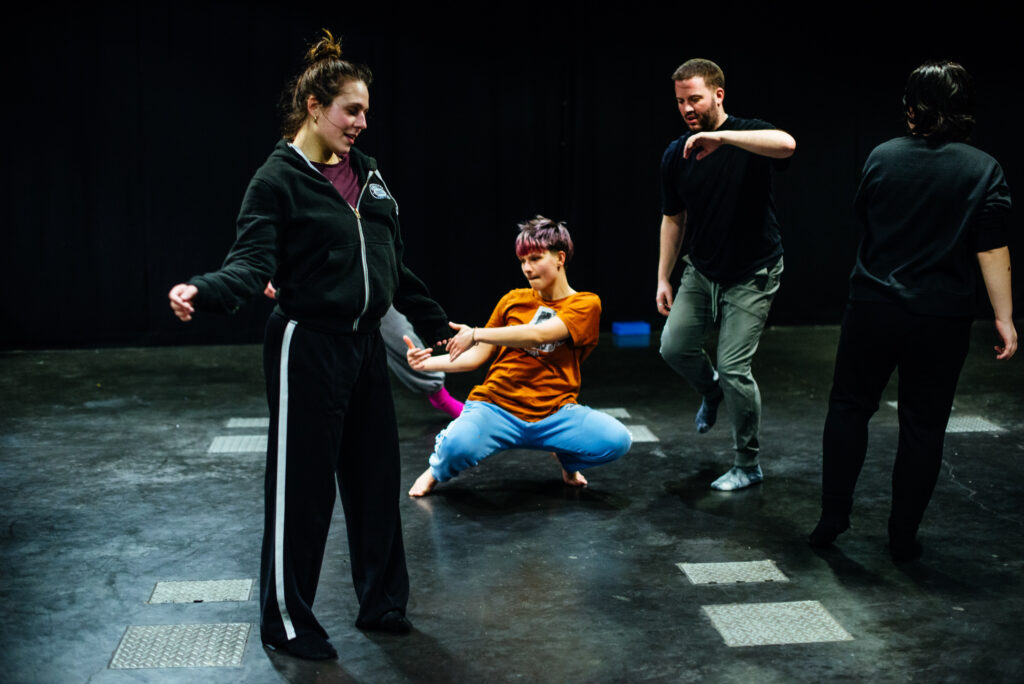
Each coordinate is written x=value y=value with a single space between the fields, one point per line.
x=325 y=75
x=939 y=101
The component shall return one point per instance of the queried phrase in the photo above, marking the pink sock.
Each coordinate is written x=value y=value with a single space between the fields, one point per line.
x=443 y=401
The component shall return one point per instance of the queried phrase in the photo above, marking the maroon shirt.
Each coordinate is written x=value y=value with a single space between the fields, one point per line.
x=343 y=178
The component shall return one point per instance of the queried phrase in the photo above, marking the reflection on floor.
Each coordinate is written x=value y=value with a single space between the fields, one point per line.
x=131 y=483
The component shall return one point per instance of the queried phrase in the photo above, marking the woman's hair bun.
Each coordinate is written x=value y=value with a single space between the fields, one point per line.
x=325 y=75
x=327 y=47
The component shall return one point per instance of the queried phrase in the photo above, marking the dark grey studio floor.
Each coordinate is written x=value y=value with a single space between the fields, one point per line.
x=107 y=487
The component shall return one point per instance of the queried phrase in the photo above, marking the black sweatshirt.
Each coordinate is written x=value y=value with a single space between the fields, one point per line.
x=336 y=268
x=927 y=208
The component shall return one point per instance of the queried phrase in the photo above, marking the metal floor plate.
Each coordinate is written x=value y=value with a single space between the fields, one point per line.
x=248 y=422
x=206 y=645
x=964 y=423
x=763 y=624
x=641 y=433
x=732 y=573
x=233 y=444
x=615 y=412
x=971 y=424
x=203 y=591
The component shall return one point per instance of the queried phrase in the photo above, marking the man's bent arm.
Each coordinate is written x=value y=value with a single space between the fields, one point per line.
x=773 y=143
x=673 y=228
x=995 y=270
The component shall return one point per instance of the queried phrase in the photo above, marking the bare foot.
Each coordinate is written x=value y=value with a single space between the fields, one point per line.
x=576 y=479
x=423 y=484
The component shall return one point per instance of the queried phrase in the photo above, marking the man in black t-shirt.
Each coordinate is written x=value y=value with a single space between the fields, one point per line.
x=720 y=213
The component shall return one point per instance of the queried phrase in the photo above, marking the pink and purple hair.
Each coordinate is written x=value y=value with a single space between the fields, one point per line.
x=540 y=234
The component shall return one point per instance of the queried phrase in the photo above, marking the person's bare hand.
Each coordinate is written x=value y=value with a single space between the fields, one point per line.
x=663 y=298
x=1008 y=333
x=705 y=143
x=416 y=357
x=182 y=296
x=461 y=341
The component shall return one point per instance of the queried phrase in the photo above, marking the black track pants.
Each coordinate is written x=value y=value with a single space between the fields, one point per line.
x=331 y=417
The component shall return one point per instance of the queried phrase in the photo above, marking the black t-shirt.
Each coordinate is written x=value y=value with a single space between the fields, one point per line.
x=731 y=228
x=927 y=208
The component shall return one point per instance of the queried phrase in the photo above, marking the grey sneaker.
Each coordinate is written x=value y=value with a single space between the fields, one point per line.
x=738 y=478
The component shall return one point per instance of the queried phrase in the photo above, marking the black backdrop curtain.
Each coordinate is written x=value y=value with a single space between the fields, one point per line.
x=135 y=127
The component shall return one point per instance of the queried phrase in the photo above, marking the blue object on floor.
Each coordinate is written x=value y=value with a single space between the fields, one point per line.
x=631 y=328
x=631 y=333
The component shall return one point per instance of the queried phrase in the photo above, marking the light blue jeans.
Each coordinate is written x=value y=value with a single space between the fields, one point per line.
x=580 y=436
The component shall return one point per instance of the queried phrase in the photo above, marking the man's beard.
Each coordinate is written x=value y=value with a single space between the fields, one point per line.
x=706 y=120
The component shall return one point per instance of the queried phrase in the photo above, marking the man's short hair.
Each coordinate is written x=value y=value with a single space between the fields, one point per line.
x=939 y=101
x=712 y=74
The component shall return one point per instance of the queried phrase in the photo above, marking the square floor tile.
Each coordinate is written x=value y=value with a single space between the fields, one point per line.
x=732 y=573
x=615 y=412
x=971 y=424
x=202 y=591
x=964 y=423
x=248 y=422
x=206 y=645
x=641 y=433
x=234 y=444
x=763 y=624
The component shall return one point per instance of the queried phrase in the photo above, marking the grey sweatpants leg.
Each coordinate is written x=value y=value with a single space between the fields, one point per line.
x=392 y=327
x=743 y=309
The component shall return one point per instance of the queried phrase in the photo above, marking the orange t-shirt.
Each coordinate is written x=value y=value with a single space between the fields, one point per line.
x=534 y=383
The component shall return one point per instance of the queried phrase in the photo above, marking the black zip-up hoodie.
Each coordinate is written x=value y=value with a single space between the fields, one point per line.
x=336 y=268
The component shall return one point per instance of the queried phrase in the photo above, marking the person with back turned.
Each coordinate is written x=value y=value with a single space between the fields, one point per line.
x=933 y=210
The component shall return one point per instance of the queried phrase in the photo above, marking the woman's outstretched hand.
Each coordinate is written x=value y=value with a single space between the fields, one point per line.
x=181 y=297
x=416 y=357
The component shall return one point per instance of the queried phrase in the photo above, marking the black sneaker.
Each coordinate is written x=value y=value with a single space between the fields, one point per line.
x=393 y=622
x=306 y=646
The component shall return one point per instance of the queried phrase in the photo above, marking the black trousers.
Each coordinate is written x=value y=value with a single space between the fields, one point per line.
x=928 y=352
x=331 y=418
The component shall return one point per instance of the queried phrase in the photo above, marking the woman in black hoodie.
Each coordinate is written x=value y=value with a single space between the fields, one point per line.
x=320 y=221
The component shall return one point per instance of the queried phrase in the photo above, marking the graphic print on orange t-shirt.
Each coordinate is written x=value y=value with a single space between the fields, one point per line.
x=543 y=314
x=533 y=383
